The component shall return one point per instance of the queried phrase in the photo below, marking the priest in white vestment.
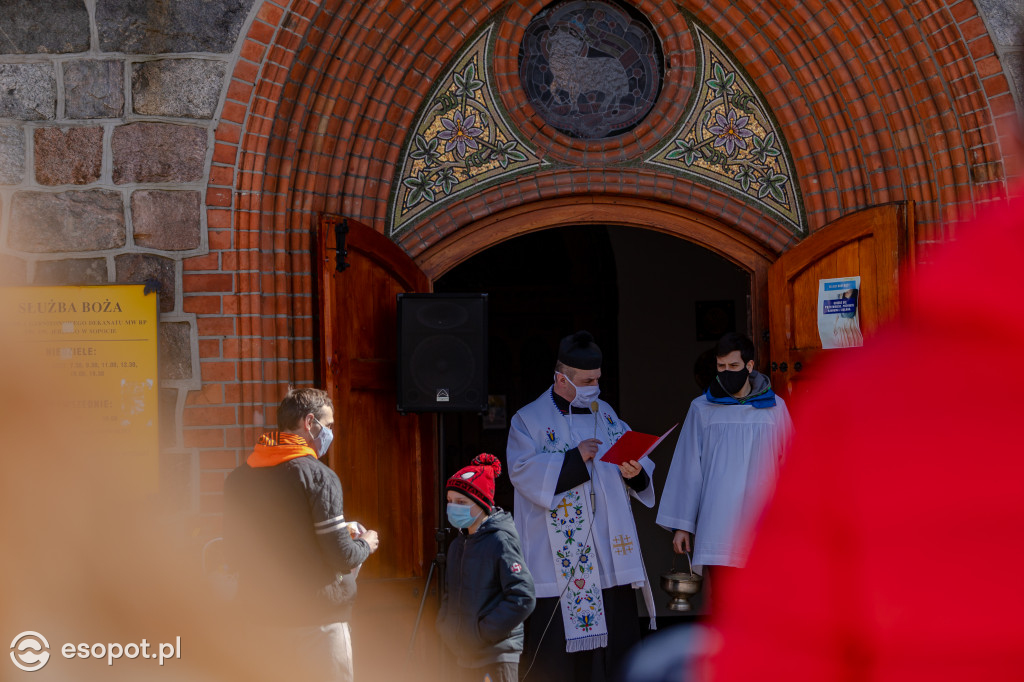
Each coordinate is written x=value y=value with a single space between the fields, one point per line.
x=574 y=519
x=726 y=461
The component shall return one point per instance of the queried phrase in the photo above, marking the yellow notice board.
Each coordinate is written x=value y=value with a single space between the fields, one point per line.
x=99 y=343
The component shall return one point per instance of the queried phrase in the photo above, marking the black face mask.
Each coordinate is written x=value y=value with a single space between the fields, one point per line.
x=732 y=381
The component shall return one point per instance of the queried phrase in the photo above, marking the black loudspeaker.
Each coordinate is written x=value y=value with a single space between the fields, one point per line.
x=442 y=352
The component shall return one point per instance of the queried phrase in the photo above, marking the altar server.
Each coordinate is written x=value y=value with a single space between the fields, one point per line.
x=726 y=460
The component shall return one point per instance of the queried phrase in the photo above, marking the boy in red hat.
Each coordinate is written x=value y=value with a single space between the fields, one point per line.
x=489 y=591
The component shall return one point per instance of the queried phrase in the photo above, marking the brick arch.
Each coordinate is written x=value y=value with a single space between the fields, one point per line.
x=895 y=101
x=584 y=186
x=644 y=213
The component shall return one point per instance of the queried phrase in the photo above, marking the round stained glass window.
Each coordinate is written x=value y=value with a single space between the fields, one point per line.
x=590 y=69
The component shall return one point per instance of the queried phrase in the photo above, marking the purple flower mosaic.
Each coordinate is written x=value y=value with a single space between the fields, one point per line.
x=460 y=133
x=460 y=141
x=731 y=131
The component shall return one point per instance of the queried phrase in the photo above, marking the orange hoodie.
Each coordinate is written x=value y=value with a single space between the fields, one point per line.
x=275 y=447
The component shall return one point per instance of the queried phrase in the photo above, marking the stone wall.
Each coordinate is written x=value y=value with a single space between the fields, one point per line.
x=1005 y=21
x=107 y=123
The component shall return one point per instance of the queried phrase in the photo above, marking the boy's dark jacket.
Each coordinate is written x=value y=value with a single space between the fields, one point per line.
x=489 y=593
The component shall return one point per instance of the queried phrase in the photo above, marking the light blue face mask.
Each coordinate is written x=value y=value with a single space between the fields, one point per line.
x=323 y=439
x=460 y=515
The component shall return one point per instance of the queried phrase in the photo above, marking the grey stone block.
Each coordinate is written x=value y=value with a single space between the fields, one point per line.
x=76 y=271
x=187 y=88
x=30 y=92
x=68 y=156
x=54 y=26
x=169 y=26
x=94 y=89
x=174 y=345
x=13 y=271
x=158 y=152
x=168 y=402
x=166 y=220
x=44 y=222
x=137 y=268
x=12 y=154
x=1005 y=19
x=1015 y=66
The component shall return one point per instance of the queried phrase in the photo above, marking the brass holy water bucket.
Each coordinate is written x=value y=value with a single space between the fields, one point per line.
x=681 y=585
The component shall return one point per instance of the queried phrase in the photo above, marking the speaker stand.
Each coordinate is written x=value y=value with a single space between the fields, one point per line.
x=440 y=539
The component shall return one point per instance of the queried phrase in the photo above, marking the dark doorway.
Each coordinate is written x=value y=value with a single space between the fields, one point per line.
x=540 y=287
x=653 y=302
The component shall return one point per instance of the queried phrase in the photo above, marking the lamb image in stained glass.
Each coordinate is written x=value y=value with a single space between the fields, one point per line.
x=577 y=74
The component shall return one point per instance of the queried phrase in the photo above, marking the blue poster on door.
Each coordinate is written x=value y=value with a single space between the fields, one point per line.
x=839 y=312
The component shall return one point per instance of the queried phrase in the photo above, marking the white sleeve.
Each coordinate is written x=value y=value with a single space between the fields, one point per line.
x=680 y=500
x=533 y=473
x=645 y=496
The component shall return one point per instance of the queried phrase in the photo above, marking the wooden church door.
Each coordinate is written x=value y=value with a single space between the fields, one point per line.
x=385 y=460
x=873 y=244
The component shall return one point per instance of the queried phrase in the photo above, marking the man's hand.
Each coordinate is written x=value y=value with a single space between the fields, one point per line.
x=630 y=469
x=682 y=540
x=370 y=538
x=588 y=449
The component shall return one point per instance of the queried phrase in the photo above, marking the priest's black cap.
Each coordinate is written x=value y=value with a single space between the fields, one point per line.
x=579 y=351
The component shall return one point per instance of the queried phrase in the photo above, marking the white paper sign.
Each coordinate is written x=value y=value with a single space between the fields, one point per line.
x=839 y=312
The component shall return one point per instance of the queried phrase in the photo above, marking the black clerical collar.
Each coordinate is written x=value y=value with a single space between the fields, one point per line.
x=563 y=405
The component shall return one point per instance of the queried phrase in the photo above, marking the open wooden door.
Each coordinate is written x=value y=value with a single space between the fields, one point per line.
x=385 y=460
x=873 y=243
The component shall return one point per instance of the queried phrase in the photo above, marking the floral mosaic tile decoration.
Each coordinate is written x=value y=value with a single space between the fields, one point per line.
x=589 y=69
x=730 y=139
x=461 y=141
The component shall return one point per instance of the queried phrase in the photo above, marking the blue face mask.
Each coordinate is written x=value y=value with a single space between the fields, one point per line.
x=460 y=515
x=323 y=439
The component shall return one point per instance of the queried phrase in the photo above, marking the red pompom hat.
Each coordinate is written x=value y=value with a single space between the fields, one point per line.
x=477 y=480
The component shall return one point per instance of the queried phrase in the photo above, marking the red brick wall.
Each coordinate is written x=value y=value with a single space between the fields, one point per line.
x=878 y=101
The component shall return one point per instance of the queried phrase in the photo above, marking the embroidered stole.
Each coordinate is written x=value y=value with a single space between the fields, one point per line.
x=569 y=530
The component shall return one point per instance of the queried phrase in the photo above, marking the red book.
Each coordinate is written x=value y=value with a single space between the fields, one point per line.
x=633 y=445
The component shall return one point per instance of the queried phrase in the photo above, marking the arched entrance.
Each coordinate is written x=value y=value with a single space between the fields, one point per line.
x=324 y=93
